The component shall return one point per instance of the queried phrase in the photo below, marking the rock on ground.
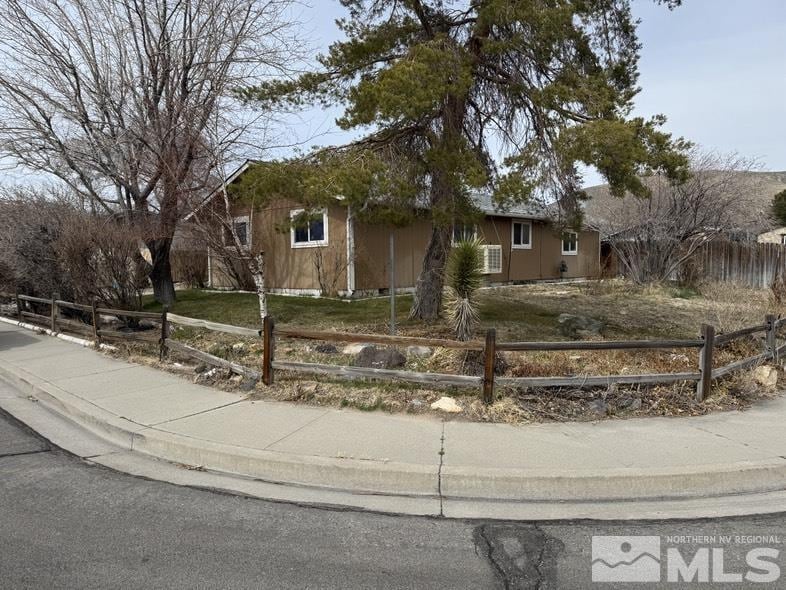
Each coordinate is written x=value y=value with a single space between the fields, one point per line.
x=356 y=348
x=420 y=351
x=446 y=404
x=577 y=326
x=325 y=348
x=766 y=376
x=379 y=358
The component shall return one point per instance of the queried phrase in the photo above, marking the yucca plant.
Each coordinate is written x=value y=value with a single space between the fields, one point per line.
x=464 y=275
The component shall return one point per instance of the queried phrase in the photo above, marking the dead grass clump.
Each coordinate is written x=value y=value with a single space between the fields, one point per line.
x=730 y=307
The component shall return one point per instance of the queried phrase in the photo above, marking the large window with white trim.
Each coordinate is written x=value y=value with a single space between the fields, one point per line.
x=521 y=238
x=309 y=229
x=570 y=243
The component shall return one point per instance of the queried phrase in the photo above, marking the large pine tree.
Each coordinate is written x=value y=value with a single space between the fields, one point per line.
x=508 y=96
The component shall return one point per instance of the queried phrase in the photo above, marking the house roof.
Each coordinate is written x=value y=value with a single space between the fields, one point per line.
x=531 y=210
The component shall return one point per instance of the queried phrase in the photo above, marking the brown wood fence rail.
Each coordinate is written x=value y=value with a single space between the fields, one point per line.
x=703 y=376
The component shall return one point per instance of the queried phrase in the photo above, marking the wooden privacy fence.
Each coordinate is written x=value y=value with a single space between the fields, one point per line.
x=746 y=263
x=705 y=373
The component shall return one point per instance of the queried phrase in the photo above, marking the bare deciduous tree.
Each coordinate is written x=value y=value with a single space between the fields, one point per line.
x=114 y=97
x=654 y=237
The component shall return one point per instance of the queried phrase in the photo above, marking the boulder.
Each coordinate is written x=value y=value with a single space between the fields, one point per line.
x=766 y=376
x=578 y=326
x=248 y=384
x=420 y=351
x=630 y=404
x=326 y=348
x=379 y=358
x=446 y=404
x=356 y=348
x=599 y=407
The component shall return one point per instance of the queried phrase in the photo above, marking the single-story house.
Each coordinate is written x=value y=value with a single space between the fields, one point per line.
x=336 y=254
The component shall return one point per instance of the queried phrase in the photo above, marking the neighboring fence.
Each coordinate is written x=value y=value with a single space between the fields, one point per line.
x=747 y=263
x=703 y=376
x=93 y=325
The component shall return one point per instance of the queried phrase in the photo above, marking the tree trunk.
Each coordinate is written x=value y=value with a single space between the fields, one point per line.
x=161 y=272
x=256 y=265
x=428 y=292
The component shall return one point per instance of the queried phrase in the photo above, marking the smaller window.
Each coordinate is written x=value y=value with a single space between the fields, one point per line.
x=522 y=235
x=240 y=226
x=241 y=231
x=309 y=230
x=570 y=243
x=463 y=232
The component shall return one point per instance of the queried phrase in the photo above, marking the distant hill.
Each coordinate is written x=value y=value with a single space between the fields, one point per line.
x=758 y=188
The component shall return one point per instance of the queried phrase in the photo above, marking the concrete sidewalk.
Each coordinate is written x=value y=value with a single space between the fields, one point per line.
x=729 y=463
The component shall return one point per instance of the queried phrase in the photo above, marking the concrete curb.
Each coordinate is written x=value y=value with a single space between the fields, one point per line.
x=352 y=475
x=401 y=479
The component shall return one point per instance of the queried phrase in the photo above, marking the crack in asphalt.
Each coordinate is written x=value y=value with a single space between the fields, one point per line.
x=439 y=470
x=522 y=556
x=21 y=453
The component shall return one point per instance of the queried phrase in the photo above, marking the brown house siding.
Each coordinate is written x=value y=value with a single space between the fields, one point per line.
x=289 y=268
x=540 y=262
x=295 y=269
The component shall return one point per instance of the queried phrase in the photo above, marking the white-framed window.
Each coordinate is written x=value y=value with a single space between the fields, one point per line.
x=783 y=239
x=492 y=259
x=521 y=235
x=242 y=228
x=464 y=232
x=309 y=231
x=570 y=243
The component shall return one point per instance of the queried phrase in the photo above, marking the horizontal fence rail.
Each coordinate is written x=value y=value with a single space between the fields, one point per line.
x=378 y=339
x=599 y=345
x=489 y=348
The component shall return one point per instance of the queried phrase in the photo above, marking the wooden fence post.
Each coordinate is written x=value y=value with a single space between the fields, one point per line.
x=96 y=320
x=705 y=362
x=164 y=334
x=490 y=354
x=54 y=313
x=772 y=343
x=268 y=347
x=18 y=305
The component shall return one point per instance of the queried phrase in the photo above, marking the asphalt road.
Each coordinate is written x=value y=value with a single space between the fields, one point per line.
x=65 y=523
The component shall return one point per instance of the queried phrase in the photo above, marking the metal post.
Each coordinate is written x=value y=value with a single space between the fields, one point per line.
x=53 y=325
x=268 y=346
x=705 y=362
x=162 y=349
x=392 y=273
x=96 y=336
x=490 y=354
x=18 y=306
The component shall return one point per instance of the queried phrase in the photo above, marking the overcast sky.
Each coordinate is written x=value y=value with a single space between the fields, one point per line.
x=715 y=68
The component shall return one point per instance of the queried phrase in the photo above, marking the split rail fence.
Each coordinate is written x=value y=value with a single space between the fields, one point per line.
x=705 y=373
